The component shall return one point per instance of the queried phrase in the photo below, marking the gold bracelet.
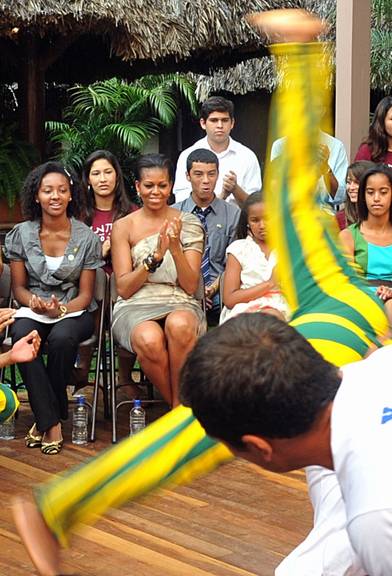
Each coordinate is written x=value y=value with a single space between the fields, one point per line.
x=62 y=311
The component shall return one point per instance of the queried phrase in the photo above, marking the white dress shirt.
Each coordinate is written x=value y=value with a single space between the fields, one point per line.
x=236 y=157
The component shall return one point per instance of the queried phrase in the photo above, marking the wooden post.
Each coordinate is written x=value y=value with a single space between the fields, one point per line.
x=352 y=72
x=32 y=87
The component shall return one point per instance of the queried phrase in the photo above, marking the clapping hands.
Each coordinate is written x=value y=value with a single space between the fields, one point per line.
x=169 y=238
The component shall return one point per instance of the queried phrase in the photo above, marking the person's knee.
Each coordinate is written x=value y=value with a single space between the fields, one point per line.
x=181 y=328
x=19 y=329
x=149 y=345
x=62 y=341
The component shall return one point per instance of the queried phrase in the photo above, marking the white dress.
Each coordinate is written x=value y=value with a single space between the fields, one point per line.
x=255 y=268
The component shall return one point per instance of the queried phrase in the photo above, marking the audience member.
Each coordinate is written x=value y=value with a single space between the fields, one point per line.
x=369 y=240
x=53 y=260
x=156 y=254
x=239 y=173
x=249 y=285
x=106 y=197
x=378 y=145
x=219 y=220
x=354 y=174
x=332 y=163
x=106 y=200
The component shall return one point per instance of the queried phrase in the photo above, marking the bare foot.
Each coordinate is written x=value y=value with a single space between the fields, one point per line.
x=290 y=25
x=42 y=546
x=53 y=434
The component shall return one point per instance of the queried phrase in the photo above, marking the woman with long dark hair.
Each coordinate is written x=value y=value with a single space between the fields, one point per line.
x=53 y=261
x=378 y=144
x=106 y=199
x=369 y=240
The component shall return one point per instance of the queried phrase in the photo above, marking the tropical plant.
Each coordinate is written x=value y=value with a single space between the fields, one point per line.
x=16 y=159
x=381 y=53
x=118 y=116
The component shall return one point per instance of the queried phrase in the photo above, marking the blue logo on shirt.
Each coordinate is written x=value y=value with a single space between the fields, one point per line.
x=386 y=415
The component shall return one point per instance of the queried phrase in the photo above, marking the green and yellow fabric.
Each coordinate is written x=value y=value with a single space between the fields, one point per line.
x=9 y=403
x=333 y=309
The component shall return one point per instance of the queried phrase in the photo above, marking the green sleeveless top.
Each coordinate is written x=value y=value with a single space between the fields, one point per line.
x=360 y=246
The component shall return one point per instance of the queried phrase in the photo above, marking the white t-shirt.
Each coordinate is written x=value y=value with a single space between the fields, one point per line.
x=352 y=534
x=236 y=157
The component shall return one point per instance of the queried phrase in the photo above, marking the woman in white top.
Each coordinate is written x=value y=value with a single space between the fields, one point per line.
x=248 y=281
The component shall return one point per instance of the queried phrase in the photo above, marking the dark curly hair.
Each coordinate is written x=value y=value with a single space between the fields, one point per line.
x=377 y=139
x=121 y=203
x=31 y=209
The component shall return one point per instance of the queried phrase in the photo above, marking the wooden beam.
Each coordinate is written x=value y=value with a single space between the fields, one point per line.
x=352 y=72
x=32 y=87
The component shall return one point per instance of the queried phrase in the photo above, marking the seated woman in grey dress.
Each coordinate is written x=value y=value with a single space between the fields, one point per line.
x=156 y=256
x=53 y=261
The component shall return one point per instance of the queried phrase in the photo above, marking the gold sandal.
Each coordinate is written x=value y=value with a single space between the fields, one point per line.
x=51 y=448
x=33 y=439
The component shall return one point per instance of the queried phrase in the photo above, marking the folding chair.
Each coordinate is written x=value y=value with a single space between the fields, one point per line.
x=5 y=302
x=115 y=348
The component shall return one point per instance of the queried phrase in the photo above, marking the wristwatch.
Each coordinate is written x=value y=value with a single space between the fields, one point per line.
x=62 y=311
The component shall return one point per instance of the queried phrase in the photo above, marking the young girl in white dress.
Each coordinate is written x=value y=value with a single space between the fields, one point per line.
x=248 y=284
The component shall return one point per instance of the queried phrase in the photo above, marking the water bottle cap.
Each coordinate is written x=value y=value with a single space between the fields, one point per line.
x=137 y=403
x=80 y=399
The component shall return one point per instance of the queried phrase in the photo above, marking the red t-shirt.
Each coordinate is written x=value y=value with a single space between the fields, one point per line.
x=102 y=226
x=364 y=153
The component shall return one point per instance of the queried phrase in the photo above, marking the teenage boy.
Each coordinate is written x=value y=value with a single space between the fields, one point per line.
x=219 y=219
x=239 y=173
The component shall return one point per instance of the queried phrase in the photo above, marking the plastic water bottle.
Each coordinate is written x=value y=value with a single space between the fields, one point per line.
x=137 y=418
x=80 y=421
x=7 y=429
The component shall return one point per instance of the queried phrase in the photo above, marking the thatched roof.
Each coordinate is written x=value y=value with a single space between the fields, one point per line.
x=259 y=73
x=150 y=30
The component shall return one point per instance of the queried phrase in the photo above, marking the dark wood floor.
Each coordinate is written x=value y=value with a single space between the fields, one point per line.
x=238 y=521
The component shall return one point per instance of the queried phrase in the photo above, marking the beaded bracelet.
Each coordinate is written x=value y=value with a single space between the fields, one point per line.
x=151 y=264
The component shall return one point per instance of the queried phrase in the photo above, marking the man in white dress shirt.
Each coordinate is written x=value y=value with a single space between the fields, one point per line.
x=239 y=169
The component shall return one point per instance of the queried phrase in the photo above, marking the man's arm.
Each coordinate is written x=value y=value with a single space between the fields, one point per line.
x=338 y=164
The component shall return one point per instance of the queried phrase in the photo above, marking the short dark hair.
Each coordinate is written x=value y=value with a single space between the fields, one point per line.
x=148 y=161
x=31 y=209
x=201 y=155
x=362 y=208
x=121 y=203
x=242 y=227
x=216 y=104
x=256 y=375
